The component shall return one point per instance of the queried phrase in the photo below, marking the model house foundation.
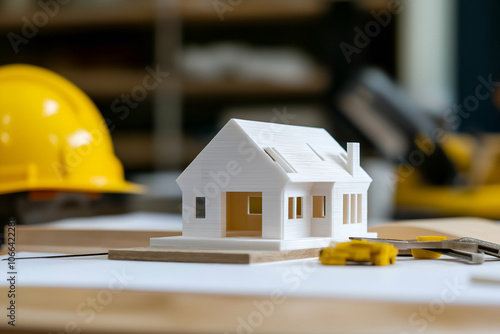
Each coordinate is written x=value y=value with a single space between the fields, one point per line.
x=266 y=186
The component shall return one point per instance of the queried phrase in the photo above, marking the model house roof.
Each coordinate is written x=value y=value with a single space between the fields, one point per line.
x=301 y=154
x=305 y=154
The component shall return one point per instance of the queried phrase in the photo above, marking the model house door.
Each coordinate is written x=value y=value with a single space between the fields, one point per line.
x=244 y=214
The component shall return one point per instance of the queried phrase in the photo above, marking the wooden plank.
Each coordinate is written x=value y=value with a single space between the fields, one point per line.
x=53 y=239
x=208 y=256
x=452 y=228
x=65 y=310
x=56 y=249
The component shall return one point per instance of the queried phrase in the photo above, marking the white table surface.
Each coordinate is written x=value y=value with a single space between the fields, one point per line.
x=135 y=221
x=409 y=280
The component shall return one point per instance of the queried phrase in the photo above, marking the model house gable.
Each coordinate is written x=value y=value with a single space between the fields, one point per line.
x=233 y=151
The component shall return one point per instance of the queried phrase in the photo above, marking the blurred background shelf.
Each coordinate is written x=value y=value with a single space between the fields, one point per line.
x=316 y=85
x=260 y=60
x=106 y=82
x=82 y=15
x=135 y=149
x=107 y=13
x=256 y=10
x=106 y=48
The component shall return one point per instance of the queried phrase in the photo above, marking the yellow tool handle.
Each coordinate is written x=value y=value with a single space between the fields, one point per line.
x=426 y=254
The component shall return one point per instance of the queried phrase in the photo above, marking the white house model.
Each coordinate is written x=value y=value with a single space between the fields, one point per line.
x=266 y=186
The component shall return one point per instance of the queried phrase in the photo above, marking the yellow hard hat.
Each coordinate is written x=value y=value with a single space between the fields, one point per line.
x=53 y=137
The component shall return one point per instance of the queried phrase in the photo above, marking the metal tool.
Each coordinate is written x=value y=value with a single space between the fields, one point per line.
x=485 y=247
x=471 y=258
x=470 y=250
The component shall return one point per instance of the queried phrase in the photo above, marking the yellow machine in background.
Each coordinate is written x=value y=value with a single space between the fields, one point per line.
x=478 y=164
x=438 y=173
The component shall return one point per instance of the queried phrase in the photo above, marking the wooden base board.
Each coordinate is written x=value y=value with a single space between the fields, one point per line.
x=209 y=255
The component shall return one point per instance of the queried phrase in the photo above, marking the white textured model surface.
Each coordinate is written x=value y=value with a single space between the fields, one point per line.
x=267 y=186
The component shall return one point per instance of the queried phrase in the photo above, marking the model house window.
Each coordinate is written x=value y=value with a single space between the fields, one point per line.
x=319 y=206
x=299 y=207
x=280 y=159
x=352 y=208
x=200 y=207
x=359 y=203
x=346 y=209
x=255 y=205
x=291 y=209
x=316 y=152
x=295 y=207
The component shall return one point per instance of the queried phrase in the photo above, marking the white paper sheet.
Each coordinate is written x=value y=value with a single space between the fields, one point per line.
x=409 y=280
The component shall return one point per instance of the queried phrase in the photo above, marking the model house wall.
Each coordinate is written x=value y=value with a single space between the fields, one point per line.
x=230 y=163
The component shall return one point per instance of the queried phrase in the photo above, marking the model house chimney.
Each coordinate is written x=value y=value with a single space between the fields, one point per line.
x=353 y=158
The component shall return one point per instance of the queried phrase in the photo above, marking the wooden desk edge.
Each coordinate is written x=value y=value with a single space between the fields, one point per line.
x=42 y=310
